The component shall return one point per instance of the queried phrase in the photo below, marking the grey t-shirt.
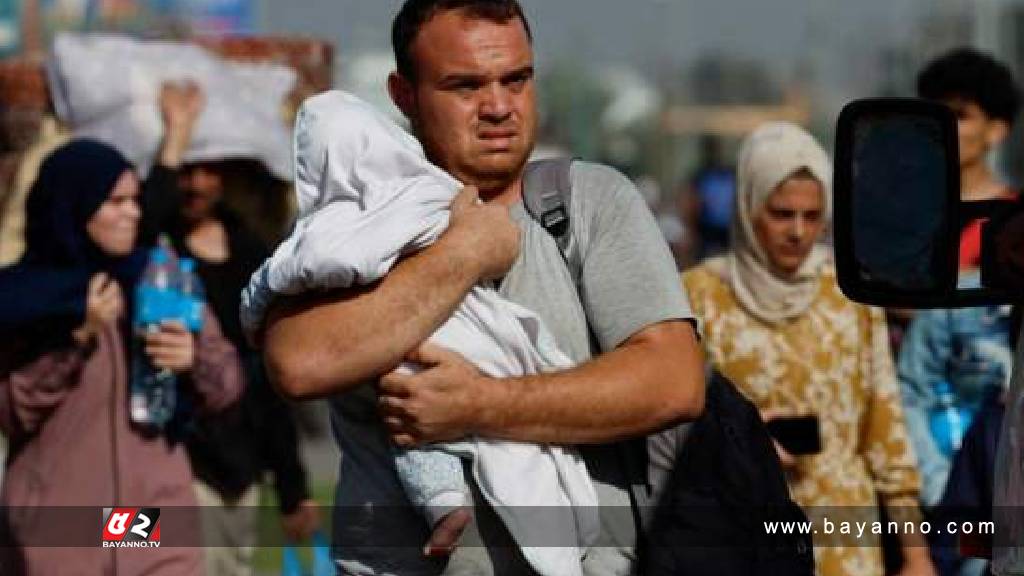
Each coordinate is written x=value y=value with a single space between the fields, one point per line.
x=629 y=281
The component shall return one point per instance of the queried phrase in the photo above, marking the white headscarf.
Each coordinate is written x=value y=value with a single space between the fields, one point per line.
x=770 y=156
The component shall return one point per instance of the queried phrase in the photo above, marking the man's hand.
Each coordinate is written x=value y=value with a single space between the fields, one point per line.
x=180 y=107
x=300 y=525
x=484 y=234
x=653 y=380
x=104 y=304
x=434 y=405
x=172 y=347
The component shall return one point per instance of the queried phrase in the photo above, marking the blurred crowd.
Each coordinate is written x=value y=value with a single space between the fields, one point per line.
x=904 y=408
x=950 y=368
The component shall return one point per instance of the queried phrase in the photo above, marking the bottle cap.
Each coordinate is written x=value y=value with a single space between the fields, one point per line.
x=159 y=255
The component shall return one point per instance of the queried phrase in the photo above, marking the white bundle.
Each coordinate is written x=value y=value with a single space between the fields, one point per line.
x=107 y=87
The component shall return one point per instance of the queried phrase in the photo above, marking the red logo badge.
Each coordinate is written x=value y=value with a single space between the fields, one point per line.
x=131 y=527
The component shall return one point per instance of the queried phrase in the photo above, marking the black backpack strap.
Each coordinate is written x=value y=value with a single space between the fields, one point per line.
x=547 y=197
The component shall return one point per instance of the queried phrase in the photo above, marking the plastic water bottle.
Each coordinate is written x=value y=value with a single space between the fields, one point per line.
x=193 y=297
x=948 y=422
x=153 y=391
x=291 y=561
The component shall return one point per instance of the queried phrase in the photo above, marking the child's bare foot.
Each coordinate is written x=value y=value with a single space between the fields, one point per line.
x=446 y=533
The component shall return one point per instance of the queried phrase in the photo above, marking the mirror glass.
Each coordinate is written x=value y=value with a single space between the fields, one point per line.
x=899 y=204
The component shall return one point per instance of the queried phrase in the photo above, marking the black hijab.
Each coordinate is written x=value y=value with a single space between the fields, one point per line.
x=49 y=283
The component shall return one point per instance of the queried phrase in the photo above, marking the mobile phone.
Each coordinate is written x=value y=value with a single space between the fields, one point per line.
x=799 y=435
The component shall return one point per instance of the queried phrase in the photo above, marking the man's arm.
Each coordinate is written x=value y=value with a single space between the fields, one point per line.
x=650 y=374
x=180 y=108
x=653 y=380
x=316 y=347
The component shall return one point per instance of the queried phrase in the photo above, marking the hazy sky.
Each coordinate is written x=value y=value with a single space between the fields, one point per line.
x=838 y=39
x=646 y=33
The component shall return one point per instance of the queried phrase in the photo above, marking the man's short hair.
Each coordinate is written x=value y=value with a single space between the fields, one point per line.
x=415 y=13
x=975 y=77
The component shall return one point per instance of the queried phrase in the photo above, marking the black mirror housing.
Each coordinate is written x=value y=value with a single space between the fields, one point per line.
x=898 y=214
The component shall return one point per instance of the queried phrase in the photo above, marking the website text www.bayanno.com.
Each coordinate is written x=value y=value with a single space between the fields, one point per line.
x=860 y=529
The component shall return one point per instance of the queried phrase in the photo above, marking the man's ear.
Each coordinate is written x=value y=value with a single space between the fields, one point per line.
x=402 y=94
x=996 y=132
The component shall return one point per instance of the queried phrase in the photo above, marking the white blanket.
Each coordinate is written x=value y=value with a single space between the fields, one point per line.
x=107 y=87
x=367 y=196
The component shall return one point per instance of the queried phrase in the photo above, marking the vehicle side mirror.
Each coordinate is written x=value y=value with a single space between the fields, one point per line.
x=899 y=218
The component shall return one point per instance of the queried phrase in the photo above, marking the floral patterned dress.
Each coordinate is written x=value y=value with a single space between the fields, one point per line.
x=833 y=362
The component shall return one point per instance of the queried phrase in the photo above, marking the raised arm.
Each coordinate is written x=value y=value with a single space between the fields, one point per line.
x=323 y=345
x=180 y=108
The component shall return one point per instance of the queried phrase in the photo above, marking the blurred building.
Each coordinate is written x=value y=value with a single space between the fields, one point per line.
x=28 y=127
x=144 y=17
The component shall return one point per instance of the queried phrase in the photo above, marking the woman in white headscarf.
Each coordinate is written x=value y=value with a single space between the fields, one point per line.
x=776 y=324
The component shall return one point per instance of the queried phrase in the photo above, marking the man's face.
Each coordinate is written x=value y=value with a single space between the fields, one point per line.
x=202 y=186
x=978 y=132
x=472 y=103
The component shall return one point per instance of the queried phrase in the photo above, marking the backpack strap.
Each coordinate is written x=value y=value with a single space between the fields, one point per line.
x=547 y=197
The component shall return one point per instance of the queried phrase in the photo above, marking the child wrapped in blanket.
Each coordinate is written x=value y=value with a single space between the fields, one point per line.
x=368 y=196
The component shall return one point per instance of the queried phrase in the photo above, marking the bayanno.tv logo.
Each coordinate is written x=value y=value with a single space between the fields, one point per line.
x=131 y=527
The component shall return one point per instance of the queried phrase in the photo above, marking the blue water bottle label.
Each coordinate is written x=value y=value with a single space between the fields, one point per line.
x=192 y=313
x=154 y=305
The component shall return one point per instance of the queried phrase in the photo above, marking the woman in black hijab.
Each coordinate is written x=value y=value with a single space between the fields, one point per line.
x=64 y=379
x=50 y=281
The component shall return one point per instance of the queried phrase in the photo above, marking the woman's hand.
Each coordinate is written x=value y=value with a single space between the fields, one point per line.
x=172 y=347
x=104 y=304
x=916 y=559
x=785 y=458
x=917 y=563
